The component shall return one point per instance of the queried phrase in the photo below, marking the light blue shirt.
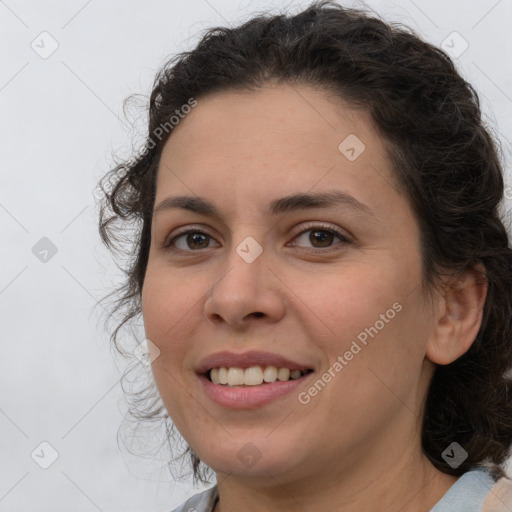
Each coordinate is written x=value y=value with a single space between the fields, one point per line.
x=467 y=494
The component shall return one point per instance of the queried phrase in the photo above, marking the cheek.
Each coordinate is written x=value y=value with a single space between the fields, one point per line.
x=348 y=303
x=167 y=304
x=162 y=311
x=381 y=338
x=369 y=321
x=166 y=314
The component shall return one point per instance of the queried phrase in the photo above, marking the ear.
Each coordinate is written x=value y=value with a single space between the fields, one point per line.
x=459 y=316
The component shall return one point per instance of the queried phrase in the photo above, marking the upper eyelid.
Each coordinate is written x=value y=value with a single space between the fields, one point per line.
x=308 y=225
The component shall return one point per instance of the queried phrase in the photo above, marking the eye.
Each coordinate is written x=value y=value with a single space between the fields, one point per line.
x=193 y=240
x=320 y=237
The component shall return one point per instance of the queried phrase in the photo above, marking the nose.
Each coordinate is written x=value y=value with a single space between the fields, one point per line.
x=246 y=291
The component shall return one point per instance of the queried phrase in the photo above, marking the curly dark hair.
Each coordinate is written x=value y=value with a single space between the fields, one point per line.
x=446 y=162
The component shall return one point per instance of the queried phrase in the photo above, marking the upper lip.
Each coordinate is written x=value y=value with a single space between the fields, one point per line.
x=247 y=359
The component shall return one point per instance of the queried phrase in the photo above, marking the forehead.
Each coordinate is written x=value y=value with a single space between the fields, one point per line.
x=280 y=138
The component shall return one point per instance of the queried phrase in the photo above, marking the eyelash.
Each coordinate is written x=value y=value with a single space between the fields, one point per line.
x=314 y=227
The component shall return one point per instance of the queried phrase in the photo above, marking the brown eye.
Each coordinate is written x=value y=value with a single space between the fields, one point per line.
x=192 y=240
x=324 y=238
x=196 y=240
x=320 y=237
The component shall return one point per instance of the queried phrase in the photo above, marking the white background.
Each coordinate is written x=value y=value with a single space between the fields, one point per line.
x=60 y=119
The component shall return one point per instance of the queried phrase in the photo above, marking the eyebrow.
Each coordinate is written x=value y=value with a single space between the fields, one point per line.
x=294 y=202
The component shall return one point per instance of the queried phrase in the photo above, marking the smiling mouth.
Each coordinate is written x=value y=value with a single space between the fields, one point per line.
x=253 y=376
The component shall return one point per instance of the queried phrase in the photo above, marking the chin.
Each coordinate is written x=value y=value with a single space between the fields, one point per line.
x=252 y=460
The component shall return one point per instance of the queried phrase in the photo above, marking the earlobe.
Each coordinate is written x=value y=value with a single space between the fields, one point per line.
x=460 y=316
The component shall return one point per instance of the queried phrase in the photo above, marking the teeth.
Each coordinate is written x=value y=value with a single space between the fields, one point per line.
x=295 y=374
x=223 y=376
x=235 y=376
x=270 y=374
x=253 y=376
x=283 y=374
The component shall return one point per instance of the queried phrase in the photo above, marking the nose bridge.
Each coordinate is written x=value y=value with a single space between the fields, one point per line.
x=249 y=250
x=248 y=237
x=245 y=288
x=244 y=266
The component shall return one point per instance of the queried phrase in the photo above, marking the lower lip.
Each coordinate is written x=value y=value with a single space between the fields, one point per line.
x=248 y=397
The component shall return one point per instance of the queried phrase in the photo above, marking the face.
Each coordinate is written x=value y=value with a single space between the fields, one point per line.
x=331 y=288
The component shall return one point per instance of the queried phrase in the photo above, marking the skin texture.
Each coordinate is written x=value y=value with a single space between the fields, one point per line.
x=356 y=444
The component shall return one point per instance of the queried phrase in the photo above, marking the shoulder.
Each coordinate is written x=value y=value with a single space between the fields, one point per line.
x=202 y=502
x=499 y=498
x=477 y=491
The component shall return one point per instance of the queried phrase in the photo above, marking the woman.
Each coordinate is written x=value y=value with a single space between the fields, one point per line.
x=321 y=268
